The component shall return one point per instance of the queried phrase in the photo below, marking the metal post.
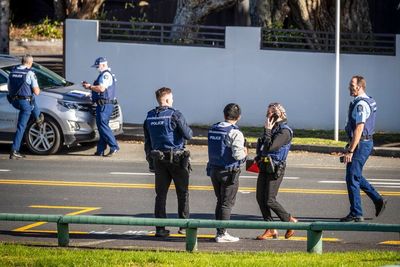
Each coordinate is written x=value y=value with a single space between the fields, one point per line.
x=191 y=239
x=314 y=241
x=337 y=75
x=63 y=234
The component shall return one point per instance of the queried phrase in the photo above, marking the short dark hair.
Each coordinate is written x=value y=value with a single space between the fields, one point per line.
x=232 y=111
x=162 y=92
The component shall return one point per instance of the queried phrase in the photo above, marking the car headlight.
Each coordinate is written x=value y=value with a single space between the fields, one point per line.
x=73 y=105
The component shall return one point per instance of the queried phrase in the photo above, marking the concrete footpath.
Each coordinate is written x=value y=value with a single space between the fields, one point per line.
x=134 y=132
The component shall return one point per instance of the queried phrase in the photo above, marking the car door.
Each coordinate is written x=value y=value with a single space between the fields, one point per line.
x=8 y=114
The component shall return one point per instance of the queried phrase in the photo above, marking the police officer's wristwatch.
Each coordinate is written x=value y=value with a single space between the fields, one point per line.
x=349 y=151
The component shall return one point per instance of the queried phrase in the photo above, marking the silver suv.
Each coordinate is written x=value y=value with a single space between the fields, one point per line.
x=68 y=111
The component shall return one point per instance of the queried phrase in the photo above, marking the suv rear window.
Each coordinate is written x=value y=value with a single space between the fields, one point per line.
x=46 y=78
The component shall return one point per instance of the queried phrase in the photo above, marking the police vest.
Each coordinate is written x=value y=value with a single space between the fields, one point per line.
x=219 y=154
x=17 y=82
x=109 y=93
x=369 y=127
x=281 y=154
x=162 y=135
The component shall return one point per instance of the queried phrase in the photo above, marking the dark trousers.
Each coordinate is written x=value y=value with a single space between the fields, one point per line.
x=225 y=190
x=266 y=192
x=165 y=172
x=356 y=181
x=103 y=114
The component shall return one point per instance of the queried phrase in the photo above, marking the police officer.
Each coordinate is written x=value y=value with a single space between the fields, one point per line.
x=22 y=87
x=165 y=132
x=272 y=151
x=360 y=128
x=226 y=154
x=103 y=94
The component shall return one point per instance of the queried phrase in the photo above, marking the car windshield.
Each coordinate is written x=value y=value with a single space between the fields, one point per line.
x=46 y=78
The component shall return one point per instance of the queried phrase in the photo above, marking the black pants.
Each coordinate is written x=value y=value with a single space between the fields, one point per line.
x=165 y=172
x=267 y=190
x=225 y=190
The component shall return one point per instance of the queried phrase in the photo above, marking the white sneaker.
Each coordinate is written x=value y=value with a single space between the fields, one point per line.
x=226 y=238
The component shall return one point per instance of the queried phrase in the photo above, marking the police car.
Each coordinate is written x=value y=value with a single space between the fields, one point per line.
x=68 y=111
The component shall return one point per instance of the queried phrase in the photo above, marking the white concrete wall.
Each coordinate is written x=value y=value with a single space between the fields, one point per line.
x=204 y=80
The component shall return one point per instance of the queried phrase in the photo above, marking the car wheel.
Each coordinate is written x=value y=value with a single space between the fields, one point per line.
x=43 y=140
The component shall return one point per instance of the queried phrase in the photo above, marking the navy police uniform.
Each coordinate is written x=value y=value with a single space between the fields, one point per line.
x=165 y=132
x=21 y=81
x=272 y=150
x=361 y=110
x=105 y=105
x=224 y=168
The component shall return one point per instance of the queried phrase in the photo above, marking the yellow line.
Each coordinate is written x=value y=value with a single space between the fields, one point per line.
x=62 y=207
x=390 y=242
x=30 y=226
x=193 y=187
x=205 y=236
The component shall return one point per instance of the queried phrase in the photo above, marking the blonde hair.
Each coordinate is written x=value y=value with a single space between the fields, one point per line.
x=278 y=109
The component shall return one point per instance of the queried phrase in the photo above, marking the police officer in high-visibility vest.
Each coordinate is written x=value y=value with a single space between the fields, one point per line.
x=165 y=132
x=22 y=88
x=360 y=128
x=104 y=95
x=226 y=154
x=272 y=151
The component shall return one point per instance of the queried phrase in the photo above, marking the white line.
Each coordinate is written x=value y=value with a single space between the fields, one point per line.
x=255 y=177
x=385 y=180
x=4 y=170
x=389 y=186
x=343 y=182
x=131 y=173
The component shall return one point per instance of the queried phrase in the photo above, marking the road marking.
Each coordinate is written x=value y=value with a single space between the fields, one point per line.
x=205 y=236
x=80 y=211
x=343 y=182
x=255 y=177
x=4 y=170
x=131 y=173
x=390 y=242
x=192 y=187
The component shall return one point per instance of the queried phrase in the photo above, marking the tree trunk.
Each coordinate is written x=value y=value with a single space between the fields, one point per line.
x=192 y=12
x=313 y=15
x=4 y=25
x=83 y=9
x=269 y=13
x=59 y=9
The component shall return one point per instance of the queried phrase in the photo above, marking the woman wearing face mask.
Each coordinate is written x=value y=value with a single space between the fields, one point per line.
x=272 y=151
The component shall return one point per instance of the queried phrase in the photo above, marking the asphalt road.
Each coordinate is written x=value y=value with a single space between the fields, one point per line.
x=75 y=182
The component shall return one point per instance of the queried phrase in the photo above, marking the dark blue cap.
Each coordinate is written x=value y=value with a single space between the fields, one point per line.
x=98 y=61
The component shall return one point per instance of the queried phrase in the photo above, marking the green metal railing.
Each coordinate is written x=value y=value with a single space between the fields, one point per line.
x=314 y=229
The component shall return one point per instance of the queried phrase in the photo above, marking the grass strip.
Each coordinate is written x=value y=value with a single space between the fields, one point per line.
x=20 y=255
x=312 y=137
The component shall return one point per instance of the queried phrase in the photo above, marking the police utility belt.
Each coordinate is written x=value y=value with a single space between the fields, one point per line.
x=269 y=166
x=103 y=101
x=171 y=156
x=19 y=97
x=366 y=137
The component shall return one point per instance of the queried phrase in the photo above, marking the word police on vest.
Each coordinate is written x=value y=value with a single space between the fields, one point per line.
x=154 y=123
x=213 y=137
